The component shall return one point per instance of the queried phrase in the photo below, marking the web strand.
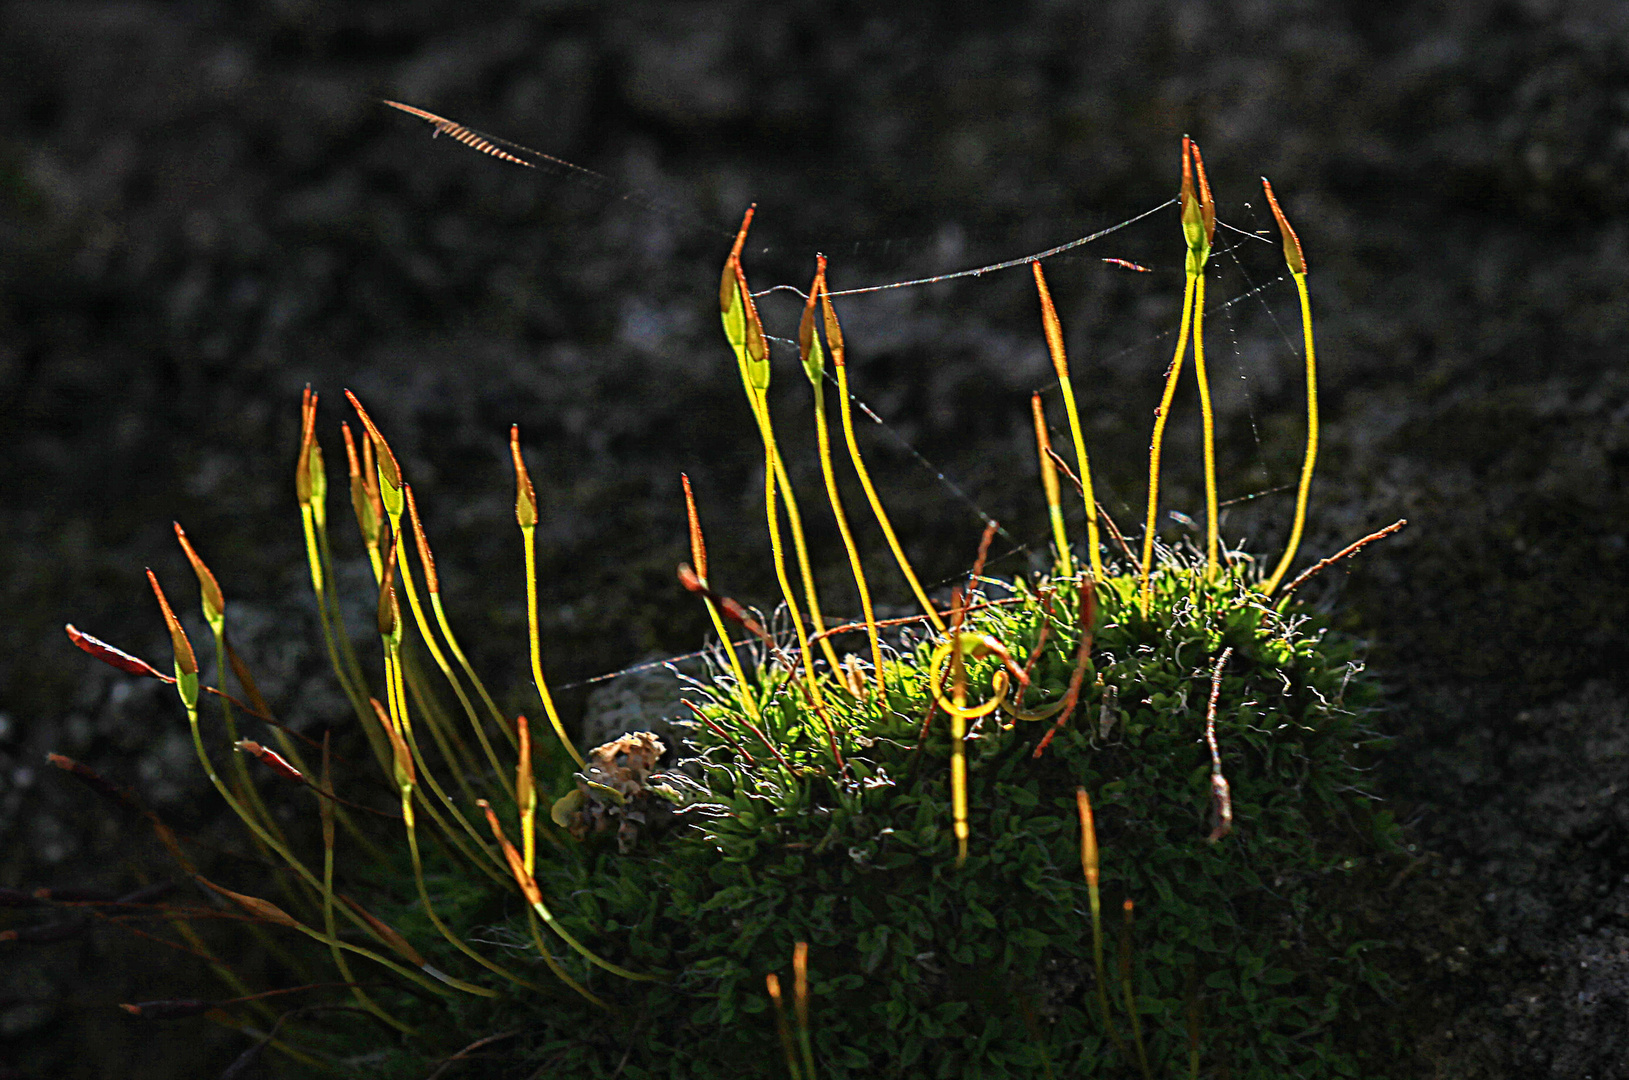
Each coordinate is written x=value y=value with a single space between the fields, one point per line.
x=980 y=271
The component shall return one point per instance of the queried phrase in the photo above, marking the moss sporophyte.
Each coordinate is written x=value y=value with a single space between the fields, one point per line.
x=894 y=863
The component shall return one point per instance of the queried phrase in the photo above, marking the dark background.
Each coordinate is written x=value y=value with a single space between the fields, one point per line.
x=203 y=208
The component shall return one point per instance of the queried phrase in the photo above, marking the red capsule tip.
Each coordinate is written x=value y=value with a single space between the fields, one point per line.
x=698 y=545
x=525 y=494
x=1293 y=255
x=185 y=661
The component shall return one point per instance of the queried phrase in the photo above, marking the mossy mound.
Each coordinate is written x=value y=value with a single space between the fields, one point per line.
x=922 y=967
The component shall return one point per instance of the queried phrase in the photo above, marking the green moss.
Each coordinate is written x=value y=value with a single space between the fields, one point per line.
x=920 y=968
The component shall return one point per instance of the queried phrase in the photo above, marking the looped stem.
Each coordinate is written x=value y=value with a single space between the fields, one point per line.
x=980 y=645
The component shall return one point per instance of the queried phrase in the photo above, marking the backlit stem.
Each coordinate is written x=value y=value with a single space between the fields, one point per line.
x=823 y=437
x=1157 y=443
x=1312 y=438
x=860 y=470
x=1212 y=525
x=1049 y=486
x=529 y=538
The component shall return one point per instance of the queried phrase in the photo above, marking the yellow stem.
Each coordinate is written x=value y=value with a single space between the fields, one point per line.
x=1053 y=327
x=799 y=545
x=1312 y=437
x=823 y=437
x=543 y=910
x=529 y=537
x=1092 y=543
x=953 y=648
x=699 y=552
x=1212 y=525
x=777 y=547
x=876 y=503
x=429 y=909
x=1155 y=446
x=1049 y=485
x=314 y=554
x=436 y=720
x=440 y=659
x=469 y=670
x=396 y=695
x=748 y=704
x=534 y=897
x=446 y=669
x=526 y=798
x=554 y=965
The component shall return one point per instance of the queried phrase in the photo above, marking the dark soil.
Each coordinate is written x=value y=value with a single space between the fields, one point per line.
x=203 y=208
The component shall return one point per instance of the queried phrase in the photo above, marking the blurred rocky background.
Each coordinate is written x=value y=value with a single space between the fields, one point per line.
x=203 y=208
